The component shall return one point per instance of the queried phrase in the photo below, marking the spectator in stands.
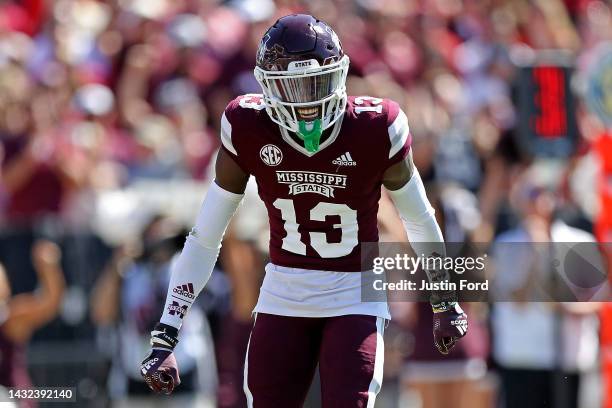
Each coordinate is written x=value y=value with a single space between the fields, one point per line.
x=541 y=363
x=24 y=313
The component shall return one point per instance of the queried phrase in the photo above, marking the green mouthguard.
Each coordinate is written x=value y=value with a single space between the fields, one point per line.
x=310 y=137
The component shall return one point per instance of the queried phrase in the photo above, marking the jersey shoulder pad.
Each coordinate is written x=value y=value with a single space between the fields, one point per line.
x=385 y=115
x=397 y=129
x=241 y=113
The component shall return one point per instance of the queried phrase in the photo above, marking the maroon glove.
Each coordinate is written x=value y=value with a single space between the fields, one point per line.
x=449 y=325
x=159 y=368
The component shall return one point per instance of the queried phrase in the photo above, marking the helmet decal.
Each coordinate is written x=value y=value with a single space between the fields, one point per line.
x=263 y=47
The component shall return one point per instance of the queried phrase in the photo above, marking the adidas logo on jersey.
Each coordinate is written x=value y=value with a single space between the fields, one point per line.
x=185 y=291
x=345 y=160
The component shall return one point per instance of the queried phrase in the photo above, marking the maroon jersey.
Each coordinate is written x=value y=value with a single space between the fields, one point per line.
x=321 y=205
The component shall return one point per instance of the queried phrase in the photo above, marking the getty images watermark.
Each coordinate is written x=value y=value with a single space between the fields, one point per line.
x=497 y=272
x=412 y=264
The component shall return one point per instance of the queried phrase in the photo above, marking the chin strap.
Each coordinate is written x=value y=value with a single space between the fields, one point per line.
x=310 y=133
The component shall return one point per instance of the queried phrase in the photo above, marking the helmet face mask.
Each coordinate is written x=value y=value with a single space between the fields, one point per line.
x=289 y=94
x=302 y=71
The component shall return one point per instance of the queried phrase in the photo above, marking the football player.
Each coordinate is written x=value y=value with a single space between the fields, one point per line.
x=319 y=159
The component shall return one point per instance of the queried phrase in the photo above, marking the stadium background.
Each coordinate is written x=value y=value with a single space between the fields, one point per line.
x=109 y=119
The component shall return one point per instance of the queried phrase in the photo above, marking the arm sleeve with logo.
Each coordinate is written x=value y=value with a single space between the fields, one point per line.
x=194 y=265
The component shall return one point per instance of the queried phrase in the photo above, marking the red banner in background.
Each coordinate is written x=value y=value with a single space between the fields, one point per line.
x=603 y=225
x=603 y=231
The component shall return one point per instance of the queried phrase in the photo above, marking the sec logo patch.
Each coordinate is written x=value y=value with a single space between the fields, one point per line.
x=271 y=155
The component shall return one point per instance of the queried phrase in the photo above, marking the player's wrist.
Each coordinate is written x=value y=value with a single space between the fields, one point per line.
x=443 y=301
x=164 y=337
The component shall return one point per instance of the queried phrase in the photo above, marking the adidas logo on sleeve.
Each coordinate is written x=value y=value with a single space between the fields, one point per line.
x=345 y=160
x=185 y=291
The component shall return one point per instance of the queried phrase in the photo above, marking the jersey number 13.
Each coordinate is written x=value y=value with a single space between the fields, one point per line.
x=318 y=240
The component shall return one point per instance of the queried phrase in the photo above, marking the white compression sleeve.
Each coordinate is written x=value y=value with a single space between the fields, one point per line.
x=418 y=217
x=194 y=265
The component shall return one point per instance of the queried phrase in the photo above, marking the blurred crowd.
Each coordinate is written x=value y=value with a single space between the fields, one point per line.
x=109 y=120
